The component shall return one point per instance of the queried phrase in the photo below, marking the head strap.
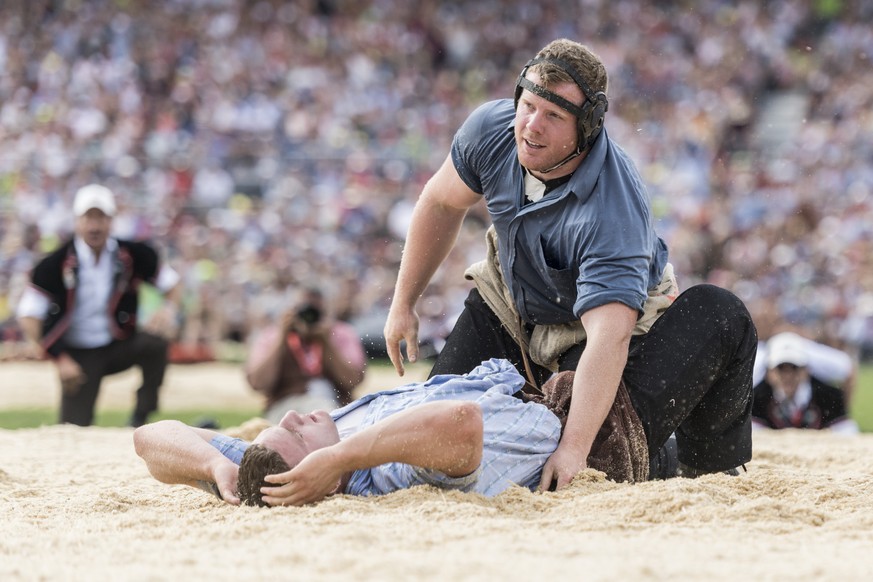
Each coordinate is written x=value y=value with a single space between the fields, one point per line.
x=548 y=95
x=565 y=66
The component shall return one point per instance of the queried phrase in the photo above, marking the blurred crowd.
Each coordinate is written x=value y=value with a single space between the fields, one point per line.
x=266 y=145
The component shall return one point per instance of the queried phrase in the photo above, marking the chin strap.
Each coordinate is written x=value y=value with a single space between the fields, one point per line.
x=578 y=152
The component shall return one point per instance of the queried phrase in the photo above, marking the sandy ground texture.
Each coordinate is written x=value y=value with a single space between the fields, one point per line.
x=78 y=504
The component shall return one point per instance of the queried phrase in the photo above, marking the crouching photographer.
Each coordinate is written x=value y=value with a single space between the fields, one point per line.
x=309 y=361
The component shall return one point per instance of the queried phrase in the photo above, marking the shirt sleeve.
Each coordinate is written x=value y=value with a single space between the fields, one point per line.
x=477 y=144
x=33 y=303
x=443 y=481
x=829 y=364
x=392 y=477
x=623 y=256
x=167 y=278
x=232 y=448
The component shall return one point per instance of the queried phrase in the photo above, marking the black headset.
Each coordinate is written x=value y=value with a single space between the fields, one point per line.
x=589 y=116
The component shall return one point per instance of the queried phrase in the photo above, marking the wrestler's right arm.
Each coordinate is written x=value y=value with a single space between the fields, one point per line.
x=436 y=221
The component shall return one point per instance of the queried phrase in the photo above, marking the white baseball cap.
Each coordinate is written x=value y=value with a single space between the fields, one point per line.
x=787 y=348
x=94 y=196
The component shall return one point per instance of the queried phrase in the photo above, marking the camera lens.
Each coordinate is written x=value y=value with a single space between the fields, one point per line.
x=309 y=314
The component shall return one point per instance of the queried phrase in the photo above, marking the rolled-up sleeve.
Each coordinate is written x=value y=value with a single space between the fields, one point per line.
x=33 y=303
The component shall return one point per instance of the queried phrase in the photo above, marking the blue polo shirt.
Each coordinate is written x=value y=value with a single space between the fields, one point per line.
x=587 y=243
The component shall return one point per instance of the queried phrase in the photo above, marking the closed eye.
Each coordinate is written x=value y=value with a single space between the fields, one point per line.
x=295 y=432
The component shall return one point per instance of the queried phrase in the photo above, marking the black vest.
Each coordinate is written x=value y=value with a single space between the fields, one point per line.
x=57 y=276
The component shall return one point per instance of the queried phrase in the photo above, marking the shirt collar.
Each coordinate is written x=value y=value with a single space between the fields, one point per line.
x=83 y=250
x=585 y=177
x=802 y=396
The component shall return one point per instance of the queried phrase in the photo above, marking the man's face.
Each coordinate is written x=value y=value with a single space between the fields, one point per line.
x=298 y=435
x=545 y=133
x=93 y=227
x=787 y=378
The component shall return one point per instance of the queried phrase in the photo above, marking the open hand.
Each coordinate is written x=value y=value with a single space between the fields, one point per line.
x=401 y=326
x=164 y=322
x=226 y=476
x=313 y=479
x=71 y=374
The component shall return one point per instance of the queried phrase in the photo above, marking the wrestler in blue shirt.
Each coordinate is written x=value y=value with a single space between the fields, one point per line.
x=466 y=432
x=577 y=251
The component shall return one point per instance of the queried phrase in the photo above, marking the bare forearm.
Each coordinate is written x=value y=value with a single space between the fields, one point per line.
x=598 y=373
x=31 y=327
x=594 y=388
x=264 y=377
x=444 y=436
x=174 y=453
x=436 y=221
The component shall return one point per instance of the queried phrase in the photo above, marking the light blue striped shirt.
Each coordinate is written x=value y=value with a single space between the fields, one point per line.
x=519 y=437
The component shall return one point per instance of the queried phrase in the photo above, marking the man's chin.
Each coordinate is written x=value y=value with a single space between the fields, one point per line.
x=95 y=242
x=532 y=163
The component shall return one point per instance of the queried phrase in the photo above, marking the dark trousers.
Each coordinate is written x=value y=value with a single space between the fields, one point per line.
x=691 y=374
x=147 y=351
